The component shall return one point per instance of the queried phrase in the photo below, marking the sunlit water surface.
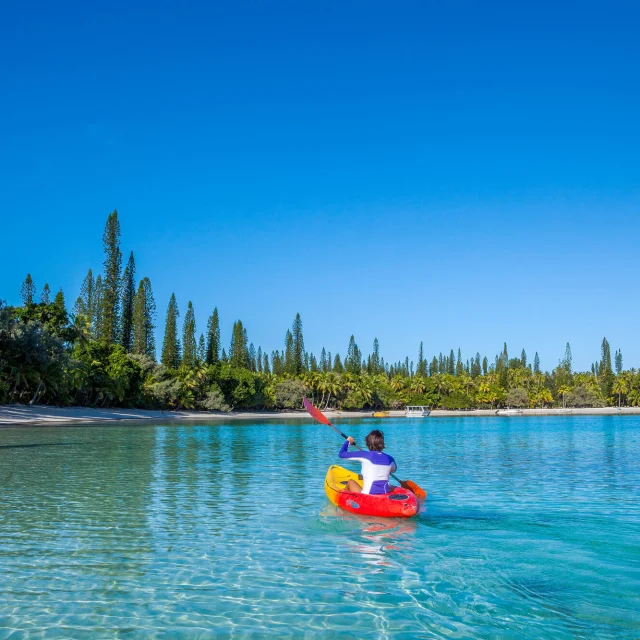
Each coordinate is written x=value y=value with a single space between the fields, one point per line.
x=531 y=530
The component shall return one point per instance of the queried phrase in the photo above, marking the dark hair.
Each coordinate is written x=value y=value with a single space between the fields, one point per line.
x=375 y=440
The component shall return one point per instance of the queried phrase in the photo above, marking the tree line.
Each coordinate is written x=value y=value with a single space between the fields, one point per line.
x=103 y=353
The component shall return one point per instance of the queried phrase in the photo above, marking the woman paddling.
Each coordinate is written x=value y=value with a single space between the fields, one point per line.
x=376 y=465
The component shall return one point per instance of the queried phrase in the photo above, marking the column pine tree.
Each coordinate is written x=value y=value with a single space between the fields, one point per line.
x=288 y=353
x=451 y=363
x=323 y=360
x=59 y=303
x=202 y=349
x=605 y=370
x=128 y=295
x=97 y=309
x=238 y=349
x=422 y=365
x=213 y=338
x=298 y=346
x=144 y=315
x=375 y=356
x=567 y=361
x=45 y=296
x=171 y=343
x=352 y=361
x=618 y=361
x=112 y=279
x=246 y=361
x=84 y=306
x=189 y=346
x=28 y=290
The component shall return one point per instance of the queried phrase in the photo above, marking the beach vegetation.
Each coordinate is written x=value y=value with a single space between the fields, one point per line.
x=517 y=397
x=103 y=353
x=288 y=393
x=583 y=396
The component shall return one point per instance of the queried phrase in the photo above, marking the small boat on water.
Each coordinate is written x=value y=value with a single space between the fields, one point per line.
x=380 y=414
x=506 y=413
x=417 y=411
x=400 y=503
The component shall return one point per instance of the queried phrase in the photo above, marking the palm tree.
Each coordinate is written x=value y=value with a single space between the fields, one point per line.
x=633 y=397
x=397 y=383
x=447 y=383
x=331 y=386
x=417 y=385
x=311 y=381
x=466 y=381
x=364 y=388
x=620 y=387
x=542 y=398
x=563 y=390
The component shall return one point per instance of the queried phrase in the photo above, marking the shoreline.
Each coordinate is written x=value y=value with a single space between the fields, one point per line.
x=42 y=415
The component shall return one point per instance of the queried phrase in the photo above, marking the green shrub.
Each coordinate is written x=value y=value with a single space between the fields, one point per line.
x=214 y=400
x=583 y=397
x=456 y=400
x=289 y=394
x=517 y=398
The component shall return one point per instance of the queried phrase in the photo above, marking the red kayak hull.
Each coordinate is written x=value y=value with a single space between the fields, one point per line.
x=400 y=503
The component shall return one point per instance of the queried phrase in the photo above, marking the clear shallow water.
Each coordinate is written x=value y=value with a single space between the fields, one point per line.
x=531 y=530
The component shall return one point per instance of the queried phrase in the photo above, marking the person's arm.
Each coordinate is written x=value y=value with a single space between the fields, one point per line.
x=344 y=450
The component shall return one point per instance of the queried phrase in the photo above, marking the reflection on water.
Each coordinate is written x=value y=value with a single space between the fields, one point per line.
x=370 y=537
x=530 y=531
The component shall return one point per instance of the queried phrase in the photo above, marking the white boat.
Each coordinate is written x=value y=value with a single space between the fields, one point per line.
x=509 y=412
x=418 y=412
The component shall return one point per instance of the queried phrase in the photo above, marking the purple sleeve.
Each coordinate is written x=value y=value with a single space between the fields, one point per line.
x=344 y=450
x=345 y=453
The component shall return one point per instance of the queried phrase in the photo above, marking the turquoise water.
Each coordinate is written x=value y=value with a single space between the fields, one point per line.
x=531 y=530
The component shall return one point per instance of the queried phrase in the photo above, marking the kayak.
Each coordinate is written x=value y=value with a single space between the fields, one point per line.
x=400 y=503
x=380 y=414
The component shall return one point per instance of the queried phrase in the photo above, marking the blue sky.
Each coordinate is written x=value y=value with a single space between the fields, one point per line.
x=460 y=173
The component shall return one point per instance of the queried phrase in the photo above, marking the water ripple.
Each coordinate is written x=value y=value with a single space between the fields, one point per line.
x=530 y=531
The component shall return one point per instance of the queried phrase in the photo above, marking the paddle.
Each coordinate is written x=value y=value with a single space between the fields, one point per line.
x=320 y=417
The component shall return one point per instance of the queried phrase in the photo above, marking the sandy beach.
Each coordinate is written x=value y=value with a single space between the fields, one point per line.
x=24 y=415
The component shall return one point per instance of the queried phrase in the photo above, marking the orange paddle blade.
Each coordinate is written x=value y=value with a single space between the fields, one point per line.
x=419 y=492
x=316 y=413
